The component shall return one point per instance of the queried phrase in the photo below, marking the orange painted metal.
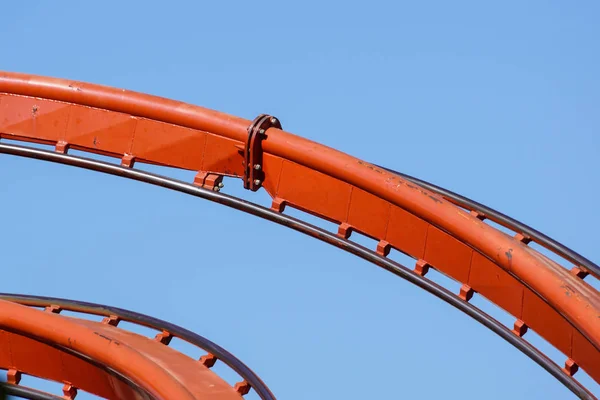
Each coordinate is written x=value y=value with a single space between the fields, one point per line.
x=46 y=344
x=541 y=294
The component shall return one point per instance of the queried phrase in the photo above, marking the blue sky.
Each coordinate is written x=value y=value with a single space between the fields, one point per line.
x=498 y=102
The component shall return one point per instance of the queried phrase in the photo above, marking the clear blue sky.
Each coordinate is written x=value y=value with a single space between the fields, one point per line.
x=497 y=102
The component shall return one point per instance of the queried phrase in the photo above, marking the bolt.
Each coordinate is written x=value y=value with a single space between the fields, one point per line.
x=257 y=167
x=262 y=131
x=217 y=189
x=221 y=184
x=257 y=182
x=273 y=120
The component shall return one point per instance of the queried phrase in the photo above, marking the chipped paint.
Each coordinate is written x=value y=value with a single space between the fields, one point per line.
x=509 y=257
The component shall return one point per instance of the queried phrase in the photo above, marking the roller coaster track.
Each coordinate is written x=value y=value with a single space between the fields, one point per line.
x=439 y=229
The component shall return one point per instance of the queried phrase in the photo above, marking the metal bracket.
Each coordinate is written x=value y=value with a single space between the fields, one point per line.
x=253 y=163
x=209 y=181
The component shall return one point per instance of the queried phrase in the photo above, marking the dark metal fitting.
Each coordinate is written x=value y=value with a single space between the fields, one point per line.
x=254 y=177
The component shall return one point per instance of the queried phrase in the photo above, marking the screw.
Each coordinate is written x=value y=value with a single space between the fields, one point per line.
x=257 y=182
x=257 y=167
x=221 y=184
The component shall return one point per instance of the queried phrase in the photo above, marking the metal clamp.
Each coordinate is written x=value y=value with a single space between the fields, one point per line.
x=253 y=163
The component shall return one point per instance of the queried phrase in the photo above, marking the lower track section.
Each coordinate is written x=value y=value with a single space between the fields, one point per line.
x=105 y=360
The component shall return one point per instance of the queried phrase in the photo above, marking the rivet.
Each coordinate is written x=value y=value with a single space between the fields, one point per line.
x=257 y=167
x=257 y=182
x=221 y=184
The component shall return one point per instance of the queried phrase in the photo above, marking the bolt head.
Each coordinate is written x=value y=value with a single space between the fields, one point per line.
x=257 y=167
x=257 y=182
x=262 y=131
x=273 y=120
x=217 y=189
x=221 y=184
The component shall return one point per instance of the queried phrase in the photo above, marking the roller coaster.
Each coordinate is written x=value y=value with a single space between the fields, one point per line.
x=440 y=230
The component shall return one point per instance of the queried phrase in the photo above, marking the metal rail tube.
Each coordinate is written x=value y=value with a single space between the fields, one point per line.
x=24 y=392
x=125 y=101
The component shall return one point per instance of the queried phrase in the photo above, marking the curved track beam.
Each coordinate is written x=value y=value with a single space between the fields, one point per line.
x=39 y=343
x=586 y=266
x=307 y=229
x=400 y=214
x=215 y=352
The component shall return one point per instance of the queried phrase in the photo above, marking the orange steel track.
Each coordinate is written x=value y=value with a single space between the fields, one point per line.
x=399 y=213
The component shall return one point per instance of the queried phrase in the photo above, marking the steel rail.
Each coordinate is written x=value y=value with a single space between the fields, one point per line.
x=24 y=392
x=310 y=230
x=141 y=319
x=506 y=221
